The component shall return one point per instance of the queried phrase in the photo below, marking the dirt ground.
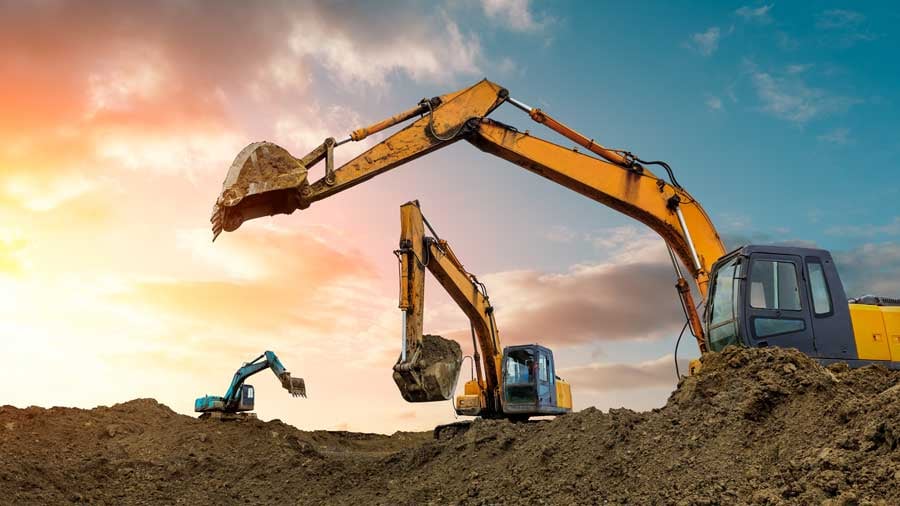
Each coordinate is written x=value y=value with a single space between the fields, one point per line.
x=761 y=426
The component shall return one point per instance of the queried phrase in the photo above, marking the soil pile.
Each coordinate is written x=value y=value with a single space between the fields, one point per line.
x=756 y=426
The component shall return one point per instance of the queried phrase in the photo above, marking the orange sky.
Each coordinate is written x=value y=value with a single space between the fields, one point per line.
x=117 y=129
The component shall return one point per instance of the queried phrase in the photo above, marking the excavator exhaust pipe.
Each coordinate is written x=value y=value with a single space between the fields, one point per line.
x=431 y=371
x=263 y=180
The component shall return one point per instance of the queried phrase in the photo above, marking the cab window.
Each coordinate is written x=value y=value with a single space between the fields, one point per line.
x=519 y=365
x=818 y=287
x=722 y=330
x=542 y=369
x=773 y=285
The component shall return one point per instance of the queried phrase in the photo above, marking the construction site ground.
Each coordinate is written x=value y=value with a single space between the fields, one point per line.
x=756 y=426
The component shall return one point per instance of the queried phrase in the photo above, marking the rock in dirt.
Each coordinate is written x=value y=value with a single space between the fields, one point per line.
x=756 y=426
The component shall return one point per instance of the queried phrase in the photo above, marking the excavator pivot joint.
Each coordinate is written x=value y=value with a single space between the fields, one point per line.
x=673 y=202
x=329 y=161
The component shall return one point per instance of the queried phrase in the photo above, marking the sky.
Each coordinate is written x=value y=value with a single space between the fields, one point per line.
x=119 y=121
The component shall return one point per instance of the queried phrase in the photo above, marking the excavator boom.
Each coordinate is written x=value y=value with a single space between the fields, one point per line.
x=265 y=179
x=437 y=357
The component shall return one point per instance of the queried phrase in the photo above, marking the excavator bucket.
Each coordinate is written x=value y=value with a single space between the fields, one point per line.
x=295 y=386
x=263 y=180
x=430 y=373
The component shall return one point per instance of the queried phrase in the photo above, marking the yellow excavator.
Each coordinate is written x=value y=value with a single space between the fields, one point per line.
x=757 y=295
x=515 y=382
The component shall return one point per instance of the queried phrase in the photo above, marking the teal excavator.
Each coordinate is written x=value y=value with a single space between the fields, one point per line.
x=239 y=397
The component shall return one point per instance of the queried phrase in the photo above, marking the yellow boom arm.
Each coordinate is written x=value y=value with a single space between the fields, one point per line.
x=265 y=179
x=417 y=252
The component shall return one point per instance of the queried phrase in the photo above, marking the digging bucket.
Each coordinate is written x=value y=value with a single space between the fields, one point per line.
x=263 y=180
x=296 y=386
x=431 y=371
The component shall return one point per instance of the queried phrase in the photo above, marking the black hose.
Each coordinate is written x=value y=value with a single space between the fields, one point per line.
x=665 y=166
x=677 y=371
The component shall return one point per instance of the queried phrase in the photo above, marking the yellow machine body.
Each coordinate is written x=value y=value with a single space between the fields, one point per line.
x=876 y=330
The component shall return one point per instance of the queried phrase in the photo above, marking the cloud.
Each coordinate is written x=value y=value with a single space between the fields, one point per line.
x=295 y=279
x=364 y=47
x=759 y=14
x=867 y=230
x=603 y=377
x=706 y=43
x=838 y=18
x=839 y=136
x=604 y=301
x=560 y=233
x=714 y=103
x=843 y=28
x=515 y=15
x=786 y=42
x=12 y=254
x=871 y=269
x=798 y=68
x=791 y=99
x=156 y=88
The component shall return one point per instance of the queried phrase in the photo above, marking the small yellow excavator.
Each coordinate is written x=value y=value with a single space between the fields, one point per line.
x=515 y=382
x=756 y=295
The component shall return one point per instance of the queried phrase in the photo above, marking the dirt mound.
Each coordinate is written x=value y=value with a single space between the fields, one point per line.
x=757 y=426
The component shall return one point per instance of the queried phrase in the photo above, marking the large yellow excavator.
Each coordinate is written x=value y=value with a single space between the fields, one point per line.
x=514 y=382
x=753 y=296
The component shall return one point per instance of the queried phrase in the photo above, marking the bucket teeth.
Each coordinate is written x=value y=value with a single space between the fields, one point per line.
x=217 y=221
x=295 y=386
x=263 y=180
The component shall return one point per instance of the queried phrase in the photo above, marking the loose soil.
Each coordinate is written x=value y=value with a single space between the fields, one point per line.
x=757 y=426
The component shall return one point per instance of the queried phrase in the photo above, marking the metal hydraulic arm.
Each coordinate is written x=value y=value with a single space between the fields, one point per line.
x=418 y=252
x=265 y=179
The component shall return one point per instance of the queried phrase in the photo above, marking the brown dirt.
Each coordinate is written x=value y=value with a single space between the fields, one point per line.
x=764 y=426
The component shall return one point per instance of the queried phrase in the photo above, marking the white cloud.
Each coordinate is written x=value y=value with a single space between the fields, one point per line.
x=560 y=233
x=838 y=18
x=759 y=14
x=714 y=103
x=840 y=136
x=134 y=74
x=602 y=377
x=181 y=151
x=434 y=50
x=798 y=68
x=791 y=99
x=706 y=43
x=42 y=195
x=891 y=228
x=872 y=268
x=844 y=28
x=513 y=14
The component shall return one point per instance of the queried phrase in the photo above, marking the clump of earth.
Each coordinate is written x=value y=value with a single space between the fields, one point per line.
x=755 y=426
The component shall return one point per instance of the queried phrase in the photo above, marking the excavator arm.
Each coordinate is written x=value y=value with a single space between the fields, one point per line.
x=268 y=360
x=418 y=252
x=265 y=179
x=230 y=402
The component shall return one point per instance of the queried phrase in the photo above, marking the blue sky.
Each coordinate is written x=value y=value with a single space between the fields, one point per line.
x=780 y=118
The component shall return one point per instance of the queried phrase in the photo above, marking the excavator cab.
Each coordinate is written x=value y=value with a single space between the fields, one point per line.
x=530 y=386
x=245 y=401
x=782 y=296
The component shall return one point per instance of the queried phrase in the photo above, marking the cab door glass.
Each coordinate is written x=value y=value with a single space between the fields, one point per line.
x=542 y=369
x=773 y=285
x=818 y=287
x=774 y=288
x=722 y=325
